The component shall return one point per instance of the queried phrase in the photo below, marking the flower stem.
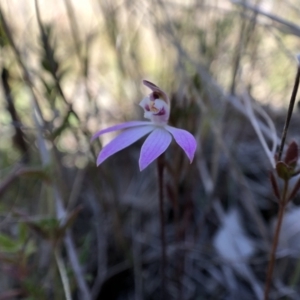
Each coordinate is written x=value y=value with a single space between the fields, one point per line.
x=160 y=169
x=290 y=111
x=282 y=205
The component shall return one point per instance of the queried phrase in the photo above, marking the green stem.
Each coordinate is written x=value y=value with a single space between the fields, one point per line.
x=282 y=205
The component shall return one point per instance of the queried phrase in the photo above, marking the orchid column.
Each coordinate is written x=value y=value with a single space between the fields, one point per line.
x=157 y=109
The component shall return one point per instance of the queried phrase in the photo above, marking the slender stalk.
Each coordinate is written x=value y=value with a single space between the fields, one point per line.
x=63 y=274
x=160 y=169
x=282 y=205
x=290 y=111
x=284 y=199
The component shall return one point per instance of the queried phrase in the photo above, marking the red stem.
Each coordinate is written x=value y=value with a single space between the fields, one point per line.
x=282 y=206
x=160 y=169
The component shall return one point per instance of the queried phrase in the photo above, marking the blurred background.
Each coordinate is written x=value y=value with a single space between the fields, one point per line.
x=70 y=230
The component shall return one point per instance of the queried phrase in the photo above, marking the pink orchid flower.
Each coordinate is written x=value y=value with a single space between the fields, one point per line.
x=157 y=108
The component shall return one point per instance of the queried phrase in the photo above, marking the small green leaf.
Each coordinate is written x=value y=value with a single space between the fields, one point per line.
x=7 y=244
x=283 y=170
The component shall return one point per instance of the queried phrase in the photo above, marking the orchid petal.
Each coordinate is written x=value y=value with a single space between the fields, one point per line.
x=122 y=141
x=185 y=140
x=120 y=127
x=151 y=85
x=156 y=143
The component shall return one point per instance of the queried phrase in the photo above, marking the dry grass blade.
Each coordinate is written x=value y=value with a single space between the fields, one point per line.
x=252 y=118
x=291 y=27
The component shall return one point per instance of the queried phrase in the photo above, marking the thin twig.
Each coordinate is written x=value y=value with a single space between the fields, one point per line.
x=51 y=59
x=290 y=111
x=160 y=169
x=61 y=214
x=19 y=138
x=26 y=74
